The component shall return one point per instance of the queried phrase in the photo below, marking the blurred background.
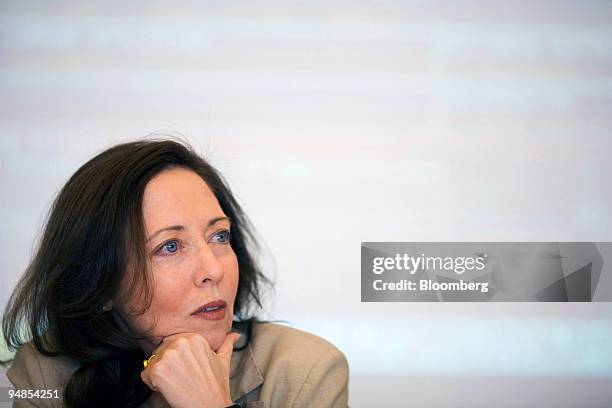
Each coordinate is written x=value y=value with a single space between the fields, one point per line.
x=341 y=122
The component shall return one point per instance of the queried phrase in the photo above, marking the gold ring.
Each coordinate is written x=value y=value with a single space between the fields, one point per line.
x=146 y=362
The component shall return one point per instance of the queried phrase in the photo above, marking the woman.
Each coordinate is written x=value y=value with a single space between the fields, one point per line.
x=144 y=292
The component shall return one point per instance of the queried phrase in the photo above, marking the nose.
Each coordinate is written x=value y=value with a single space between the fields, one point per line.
x=207 y=268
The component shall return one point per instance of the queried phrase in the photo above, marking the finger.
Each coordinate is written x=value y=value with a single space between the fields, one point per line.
x=228 y=344
x=145 y=377
x=172 y=336
x=168 y=340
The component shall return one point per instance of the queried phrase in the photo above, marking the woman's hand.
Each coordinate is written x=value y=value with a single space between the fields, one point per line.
x=188 y=373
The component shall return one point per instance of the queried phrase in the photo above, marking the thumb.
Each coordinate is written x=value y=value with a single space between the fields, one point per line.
x=228 y=344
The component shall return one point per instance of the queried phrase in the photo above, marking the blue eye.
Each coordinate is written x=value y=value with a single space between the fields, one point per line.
x=222 y=237
x=170 y=246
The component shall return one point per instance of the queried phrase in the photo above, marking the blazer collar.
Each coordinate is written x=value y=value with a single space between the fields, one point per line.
x=244 y=374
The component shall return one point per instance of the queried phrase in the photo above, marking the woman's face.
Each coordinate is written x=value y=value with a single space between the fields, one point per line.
x=191 y=261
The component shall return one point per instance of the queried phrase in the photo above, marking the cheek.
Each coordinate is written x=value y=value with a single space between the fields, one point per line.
x=166 y=290
x=169 y=290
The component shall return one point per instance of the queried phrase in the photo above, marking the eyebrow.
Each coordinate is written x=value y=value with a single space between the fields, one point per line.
x=181 y=227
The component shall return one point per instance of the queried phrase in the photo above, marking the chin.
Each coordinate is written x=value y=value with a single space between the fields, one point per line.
x=215 y=336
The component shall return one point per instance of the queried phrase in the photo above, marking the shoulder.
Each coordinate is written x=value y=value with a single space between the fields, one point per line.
x=273 y=340
x=299 y=368
x=275 y=335
x=32 y=370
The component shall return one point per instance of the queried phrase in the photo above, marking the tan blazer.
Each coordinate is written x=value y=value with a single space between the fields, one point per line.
x=281 y=367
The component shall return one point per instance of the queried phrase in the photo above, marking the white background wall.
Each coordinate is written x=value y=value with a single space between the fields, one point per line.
x=341 y=122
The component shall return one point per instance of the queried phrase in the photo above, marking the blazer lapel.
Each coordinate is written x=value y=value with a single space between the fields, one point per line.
x=244 y=374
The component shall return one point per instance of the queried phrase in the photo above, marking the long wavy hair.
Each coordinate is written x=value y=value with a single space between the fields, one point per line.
x=81 y=261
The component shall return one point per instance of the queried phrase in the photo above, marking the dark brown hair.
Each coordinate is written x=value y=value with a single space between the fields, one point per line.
x=81 y=261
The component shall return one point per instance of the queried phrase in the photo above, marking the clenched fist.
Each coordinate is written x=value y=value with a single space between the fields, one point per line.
x=188 y=373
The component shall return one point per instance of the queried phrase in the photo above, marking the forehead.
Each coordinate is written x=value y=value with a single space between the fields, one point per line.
x=177 y=196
